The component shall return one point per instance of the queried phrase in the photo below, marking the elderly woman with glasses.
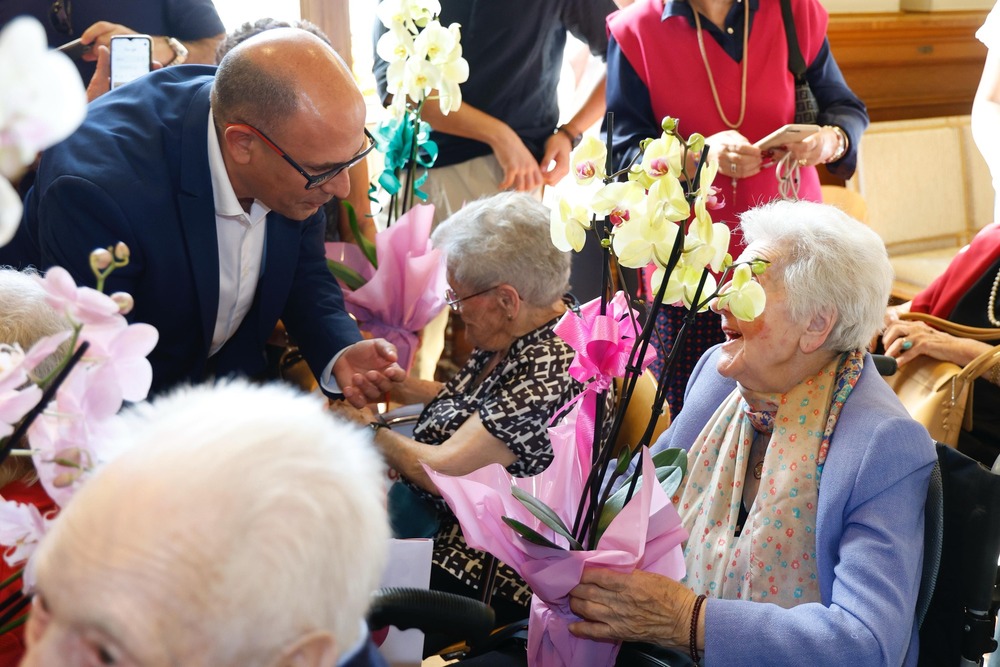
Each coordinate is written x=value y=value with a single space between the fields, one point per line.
x=507 y=283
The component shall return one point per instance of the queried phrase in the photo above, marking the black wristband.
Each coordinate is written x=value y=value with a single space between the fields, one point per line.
x=377 y=426
x=574 y=139
x=693 y=639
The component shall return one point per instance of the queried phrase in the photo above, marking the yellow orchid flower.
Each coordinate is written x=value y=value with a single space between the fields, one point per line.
x=568 y=226
x=587 y=160
x=683 y=284
x=643 y=239
x=706 y=243
x=617 y=201
x=744 y=297
x=666 y=200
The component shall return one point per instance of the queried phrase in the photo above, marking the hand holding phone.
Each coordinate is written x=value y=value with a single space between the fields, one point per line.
x=787 y=134
x=131 y=57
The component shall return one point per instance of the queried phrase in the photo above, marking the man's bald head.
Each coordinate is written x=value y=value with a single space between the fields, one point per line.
x=272 y=77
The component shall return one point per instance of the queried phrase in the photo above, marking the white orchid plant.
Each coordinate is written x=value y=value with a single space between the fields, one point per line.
x=424 y=62
x=42 y=101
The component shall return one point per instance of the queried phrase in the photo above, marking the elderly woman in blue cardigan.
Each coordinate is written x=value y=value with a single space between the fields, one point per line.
x=806 y=477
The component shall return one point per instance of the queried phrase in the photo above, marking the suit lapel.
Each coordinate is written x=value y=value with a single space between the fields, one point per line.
x=197 y=210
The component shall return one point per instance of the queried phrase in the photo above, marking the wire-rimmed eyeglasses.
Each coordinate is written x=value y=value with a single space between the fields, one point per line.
x=313 y=181
x=455 y=302
x=61 y=16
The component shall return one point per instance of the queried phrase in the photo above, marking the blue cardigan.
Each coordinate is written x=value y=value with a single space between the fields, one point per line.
x=869 y=538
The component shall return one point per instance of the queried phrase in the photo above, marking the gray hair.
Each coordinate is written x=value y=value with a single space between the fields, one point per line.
x=505 y=238
x=827 y=260
x=292 y=530
x=247 y=30
x=27 y=317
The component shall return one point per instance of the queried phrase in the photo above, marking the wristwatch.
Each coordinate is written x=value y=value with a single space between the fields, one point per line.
x=180 y=51
x=377 y=426
x=574 y=139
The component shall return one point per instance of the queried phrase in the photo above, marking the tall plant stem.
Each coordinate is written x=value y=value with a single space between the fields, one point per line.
x=47 y=396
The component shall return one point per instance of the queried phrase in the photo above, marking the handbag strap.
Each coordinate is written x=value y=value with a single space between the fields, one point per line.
x=972 y=371
x=960 y=330
x=796 y=63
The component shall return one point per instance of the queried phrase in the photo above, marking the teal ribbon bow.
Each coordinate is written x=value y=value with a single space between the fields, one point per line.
x=395 y=138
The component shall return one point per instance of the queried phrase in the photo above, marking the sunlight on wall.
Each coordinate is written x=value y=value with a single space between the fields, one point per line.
x=235 y=13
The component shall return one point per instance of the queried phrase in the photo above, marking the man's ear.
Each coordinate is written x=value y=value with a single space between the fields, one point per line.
x=236 y=141
x=818 y=330
x=315 y=649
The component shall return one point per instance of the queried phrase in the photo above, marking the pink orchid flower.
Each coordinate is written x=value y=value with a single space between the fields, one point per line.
x=22 y=527
x=83 y=305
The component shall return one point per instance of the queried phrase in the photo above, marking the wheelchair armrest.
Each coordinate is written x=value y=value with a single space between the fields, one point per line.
x=466 y=619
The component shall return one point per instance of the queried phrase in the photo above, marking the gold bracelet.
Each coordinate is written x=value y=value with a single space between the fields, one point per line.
x=842 y=143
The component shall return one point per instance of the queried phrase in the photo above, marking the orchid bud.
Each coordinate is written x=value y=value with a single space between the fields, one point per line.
x=696 y=142
x=668 y=124
x=100 y=259
x=124 y=301
x=122 y=252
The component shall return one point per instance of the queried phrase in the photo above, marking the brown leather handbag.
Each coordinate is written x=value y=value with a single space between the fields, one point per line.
x=938 y=394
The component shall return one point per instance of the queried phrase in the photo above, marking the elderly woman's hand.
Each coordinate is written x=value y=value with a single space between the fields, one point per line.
x=906 y=340
x=737 y=157
x=343 y=409
x=639 y=606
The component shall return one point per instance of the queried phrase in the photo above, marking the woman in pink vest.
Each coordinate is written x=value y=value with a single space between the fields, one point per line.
x=721 y=67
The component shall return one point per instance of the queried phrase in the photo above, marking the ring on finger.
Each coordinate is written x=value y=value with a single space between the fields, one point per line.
x=907 y=344
x=803 y=162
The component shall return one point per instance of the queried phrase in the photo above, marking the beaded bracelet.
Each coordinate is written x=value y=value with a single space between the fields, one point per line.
x=693 y=639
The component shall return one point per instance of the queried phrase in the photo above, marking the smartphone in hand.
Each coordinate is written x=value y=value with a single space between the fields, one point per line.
x=787 y=134
x=131 y=57
x=75 y=49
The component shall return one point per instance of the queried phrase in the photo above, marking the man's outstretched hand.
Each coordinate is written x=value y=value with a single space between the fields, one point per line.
x=367 y=370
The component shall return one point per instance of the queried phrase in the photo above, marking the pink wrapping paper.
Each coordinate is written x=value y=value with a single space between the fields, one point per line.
x=407 y=289
x=646 y=535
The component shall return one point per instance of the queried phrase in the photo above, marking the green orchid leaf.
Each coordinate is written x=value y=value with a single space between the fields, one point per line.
x=367 y=247
x=544 y=513
x=671 y=467
x=529 y=534
x=624 y=458
x=672 y=456
x=345 y=274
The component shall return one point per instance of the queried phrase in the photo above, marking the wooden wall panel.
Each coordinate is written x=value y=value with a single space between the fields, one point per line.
x=908 y=64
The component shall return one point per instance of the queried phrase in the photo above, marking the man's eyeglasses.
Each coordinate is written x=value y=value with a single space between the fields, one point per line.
x=455 y=303
x=61 y=16
x=313 y=181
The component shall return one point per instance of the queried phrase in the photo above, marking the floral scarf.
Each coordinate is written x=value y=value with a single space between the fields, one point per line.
x=774 y=557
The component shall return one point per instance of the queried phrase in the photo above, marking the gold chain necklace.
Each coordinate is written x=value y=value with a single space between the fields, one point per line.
x=708 y=69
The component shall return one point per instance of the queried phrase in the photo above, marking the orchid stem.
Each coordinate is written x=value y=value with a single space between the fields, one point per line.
x=47 y=395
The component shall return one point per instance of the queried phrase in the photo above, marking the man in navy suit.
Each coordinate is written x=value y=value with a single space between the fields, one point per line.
x=216 y=181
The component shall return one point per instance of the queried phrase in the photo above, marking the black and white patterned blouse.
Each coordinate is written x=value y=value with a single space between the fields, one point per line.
x=515 y=402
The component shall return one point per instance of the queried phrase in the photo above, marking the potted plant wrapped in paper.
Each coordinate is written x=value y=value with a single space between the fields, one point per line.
x=591 y=506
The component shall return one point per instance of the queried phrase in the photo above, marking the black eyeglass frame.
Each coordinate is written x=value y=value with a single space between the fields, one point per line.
x=455 y=302
x=313 y=181
x=61 y=16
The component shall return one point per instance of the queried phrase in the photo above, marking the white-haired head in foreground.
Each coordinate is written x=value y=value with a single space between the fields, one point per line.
x=244 y=526
x=829 y=260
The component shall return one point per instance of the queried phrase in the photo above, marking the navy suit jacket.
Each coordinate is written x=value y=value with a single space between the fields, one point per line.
x=137 y=171
x=869 y=538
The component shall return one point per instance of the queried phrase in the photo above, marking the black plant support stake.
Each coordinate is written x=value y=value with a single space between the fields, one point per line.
x=47 y=396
